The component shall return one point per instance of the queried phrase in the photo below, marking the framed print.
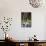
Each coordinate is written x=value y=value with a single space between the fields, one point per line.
x=25 y=19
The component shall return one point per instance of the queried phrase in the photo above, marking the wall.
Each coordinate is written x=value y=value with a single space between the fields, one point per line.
x=13 y=8
x=45 y=28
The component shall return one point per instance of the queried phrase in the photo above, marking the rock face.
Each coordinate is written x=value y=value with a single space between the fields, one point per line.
x=35 y=3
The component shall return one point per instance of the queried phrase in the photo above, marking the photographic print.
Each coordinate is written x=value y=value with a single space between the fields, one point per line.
x=25 y=19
